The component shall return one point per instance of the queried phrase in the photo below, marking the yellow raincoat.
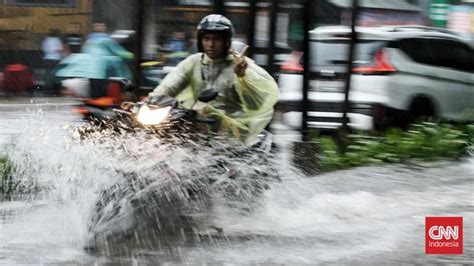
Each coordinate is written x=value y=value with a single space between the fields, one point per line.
x=244 y=105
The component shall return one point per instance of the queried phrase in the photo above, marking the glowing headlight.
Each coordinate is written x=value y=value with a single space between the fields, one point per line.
x=152 y=117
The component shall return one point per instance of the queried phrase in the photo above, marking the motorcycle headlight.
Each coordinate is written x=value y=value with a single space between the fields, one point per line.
x=149 y=117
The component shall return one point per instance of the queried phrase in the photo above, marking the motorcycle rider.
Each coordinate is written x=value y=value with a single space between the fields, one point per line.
x=246 y=92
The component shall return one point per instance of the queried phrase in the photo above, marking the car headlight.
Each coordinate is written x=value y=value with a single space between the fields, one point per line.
x=149 y=117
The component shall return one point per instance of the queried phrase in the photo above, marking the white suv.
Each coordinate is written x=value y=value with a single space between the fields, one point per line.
x=400 y=74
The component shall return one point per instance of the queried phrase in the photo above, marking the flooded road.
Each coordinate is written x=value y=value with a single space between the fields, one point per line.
x=368 y=215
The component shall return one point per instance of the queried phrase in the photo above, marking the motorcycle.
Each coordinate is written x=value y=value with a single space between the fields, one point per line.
x=100 y=107
x=171 y=202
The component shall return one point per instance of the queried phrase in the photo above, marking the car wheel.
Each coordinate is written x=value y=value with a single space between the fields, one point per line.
x=421 y=109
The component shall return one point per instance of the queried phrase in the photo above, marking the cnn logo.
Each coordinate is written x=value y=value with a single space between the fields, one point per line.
x=440 y=232
x=443 y=235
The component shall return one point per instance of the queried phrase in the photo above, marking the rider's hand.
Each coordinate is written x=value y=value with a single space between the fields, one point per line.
x=201 y=108
x=162 y=101
x=240 y=66
x=240 y=63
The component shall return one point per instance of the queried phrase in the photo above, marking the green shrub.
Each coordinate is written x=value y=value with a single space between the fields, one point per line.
x=5 y=175
x=425 y=141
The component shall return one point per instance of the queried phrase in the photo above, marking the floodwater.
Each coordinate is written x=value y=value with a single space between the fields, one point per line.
x=367 y=215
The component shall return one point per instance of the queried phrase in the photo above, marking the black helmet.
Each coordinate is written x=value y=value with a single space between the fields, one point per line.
x=216 y=24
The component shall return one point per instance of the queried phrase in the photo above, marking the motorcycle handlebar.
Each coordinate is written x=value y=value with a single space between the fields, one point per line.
x=206 y=120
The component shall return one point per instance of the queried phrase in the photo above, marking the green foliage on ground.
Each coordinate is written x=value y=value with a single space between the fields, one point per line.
x=426 y=141
x=5 y=174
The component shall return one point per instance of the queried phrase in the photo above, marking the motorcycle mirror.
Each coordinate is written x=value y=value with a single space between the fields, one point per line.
x=207 y=95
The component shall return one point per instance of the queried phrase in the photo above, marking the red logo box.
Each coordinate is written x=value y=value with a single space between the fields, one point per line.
x=443 y=235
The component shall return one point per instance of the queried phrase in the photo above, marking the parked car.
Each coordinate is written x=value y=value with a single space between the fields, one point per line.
x=400 y=74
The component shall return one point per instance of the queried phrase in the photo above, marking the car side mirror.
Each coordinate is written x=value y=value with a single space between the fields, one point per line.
x=207 y=95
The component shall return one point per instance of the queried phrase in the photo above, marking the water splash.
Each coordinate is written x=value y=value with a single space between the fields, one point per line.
x=359 y=215
x=135 y=180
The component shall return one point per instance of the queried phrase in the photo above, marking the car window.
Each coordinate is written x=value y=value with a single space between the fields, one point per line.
x=439 y=52
x=462 y=56
x=334 y=54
